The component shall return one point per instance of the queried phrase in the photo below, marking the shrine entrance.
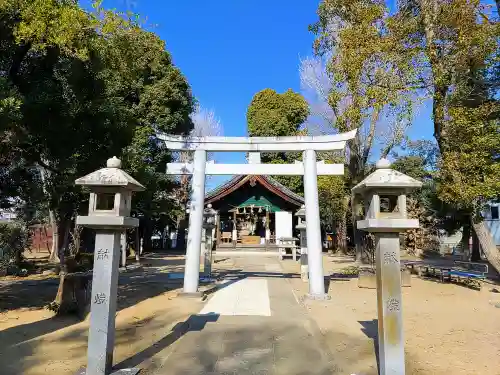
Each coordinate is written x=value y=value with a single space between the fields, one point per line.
x=250 y=224
x=253 y=212
x=310 y=168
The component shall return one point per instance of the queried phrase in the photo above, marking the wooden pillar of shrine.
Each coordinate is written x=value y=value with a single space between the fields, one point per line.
x=267 y=229
x=235 y=229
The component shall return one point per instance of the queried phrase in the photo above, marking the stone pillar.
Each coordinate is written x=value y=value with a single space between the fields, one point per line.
x=402 y=205
x=314 y=248
x=374 y=206
x=217 y=231
x=123 y=247
x=203 y=245
x=192 y=271
x=207 y=266
x=103 y=303
x=389 y=302
x=137 y=245
x=110 y=223
x=386 y=182
x=304 y=266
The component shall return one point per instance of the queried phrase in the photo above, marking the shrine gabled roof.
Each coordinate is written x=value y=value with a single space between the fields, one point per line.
x=266 y=181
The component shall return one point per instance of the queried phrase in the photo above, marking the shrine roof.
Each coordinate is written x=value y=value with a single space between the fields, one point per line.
x=267 y=182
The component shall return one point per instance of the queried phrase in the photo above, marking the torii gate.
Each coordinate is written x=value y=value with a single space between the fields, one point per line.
x=310 y=168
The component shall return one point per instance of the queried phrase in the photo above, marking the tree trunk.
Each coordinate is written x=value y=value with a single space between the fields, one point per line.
x=164 y=237
x=341 y=234
x=356 y=208
x=476 y=249
x=430 y=11
x=147 y=233
x=464 y=242
x=63 y=240
x=46 y=238
x=73 y=295
x=490 y=250
x=358 y=243
x=66 y=237
x=53 y=256
x=18 y=257
x=54 y=252
x=181 y=233
x=77 y=234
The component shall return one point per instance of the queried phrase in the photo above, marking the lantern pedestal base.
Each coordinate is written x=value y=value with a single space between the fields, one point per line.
x=304 y=273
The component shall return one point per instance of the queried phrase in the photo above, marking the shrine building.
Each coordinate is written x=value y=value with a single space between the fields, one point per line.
x=253 y=211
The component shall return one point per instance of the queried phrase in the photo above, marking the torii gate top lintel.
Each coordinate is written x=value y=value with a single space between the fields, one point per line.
x=257 y=144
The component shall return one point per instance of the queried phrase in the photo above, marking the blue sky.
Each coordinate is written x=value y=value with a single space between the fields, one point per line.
x=231 y=49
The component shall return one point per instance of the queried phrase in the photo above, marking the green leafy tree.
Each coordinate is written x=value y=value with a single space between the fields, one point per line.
x=272 y=114
x=84 y=86
x=357 y=80
x=469 y=169
x=14 y=239
x=333 y=203
x=422 y=204
x=457 y=44
x=462 y=58
x=388 y=60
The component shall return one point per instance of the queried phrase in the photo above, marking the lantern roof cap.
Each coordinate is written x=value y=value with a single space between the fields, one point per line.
x=110 y=176
x=301 y=212
x=385 y=177
x=209 y=210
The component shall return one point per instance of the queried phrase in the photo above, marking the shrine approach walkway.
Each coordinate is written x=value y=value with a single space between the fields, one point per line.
x=254 y=324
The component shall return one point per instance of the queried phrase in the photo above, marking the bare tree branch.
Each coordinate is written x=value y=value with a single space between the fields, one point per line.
x=371 y=135
x=205 y=123
x=316 y=86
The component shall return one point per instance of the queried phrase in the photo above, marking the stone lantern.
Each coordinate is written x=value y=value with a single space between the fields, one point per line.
x=109 y=214
x=384 y=193
x=301 y=226
x=209 y=217
x=110 y=197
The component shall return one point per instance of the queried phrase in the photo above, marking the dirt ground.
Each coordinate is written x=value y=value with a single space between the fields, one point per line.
x=150 y=318
x=448 y=328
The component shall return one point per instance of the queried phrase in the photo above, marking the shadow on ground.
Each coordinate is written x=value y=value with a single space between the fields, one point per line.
x=134 y=286
x=370 y=329
x=194 y=323
x=252 y=346
x=149 y=280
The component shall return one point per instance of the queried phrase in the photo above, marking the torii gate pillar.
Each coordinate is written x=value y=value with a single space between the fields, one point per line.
x=196 y=206
x=313 y=228
x=310 y=168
